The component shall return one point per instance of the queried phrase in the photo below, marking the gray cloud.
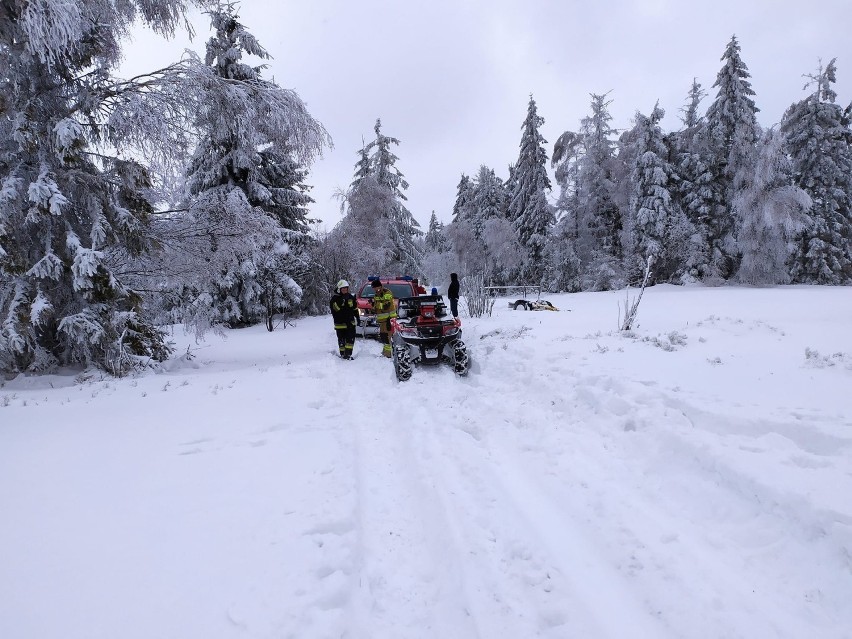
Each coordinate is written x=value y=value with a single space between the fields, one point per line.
x=451 y=79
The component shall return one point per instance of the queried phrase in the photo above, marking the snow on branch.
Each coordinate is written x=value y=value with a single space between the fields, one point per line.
x=52 y=28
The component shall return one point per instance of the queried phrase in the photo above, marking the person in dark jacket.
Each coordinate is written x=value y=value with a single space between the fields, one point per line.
x=344 y=310
x=453 y=294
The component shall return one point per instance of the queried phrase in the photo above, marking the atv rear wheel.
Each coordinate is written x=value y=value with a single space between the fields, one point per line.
x=461 y=361
x=402 y=362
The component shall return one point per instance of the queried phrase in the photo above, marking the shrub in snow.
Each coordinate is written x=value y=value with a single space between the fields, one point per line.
x=479 y=301
x=814 y=359
x=677 y=339
x=631 y=308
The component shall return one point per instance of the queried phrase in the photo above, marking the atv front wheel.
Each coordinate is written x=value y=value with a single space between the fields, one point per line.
x=402 y=362
x=461 y=361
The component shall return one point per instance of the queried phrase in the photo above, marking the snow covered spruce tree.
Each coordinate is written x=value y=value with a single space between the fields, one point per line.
x=529 y=210
x=437 y=262
x=246 y=178
x=601 y=215
x=563 y=264
x=460 y=233
x=491 y=203
x=73 y=201
x=600 y=245
x=819 y=141
x=486 y=201
x=436 y=241
x=401 y=225
x=773 y=211
x=566 y=164
x=660 y=227
x=379 y=230
x=585 y=164
x=694 y=191
x=359 y=243
x=731 y=134
x=483 y=238
x=464 y=195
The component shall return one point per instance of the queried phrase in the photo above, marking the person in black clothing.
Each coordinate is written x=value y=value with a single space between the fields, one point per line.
x=453 y=294
x=344 y=310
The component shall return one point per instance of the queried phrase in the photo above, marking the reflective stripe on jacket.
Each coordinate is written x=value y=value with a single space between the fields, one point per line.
x=383 y=305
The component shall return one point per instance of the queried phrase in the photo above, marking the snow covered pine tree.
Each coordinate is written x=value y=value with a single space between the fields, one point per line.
x=531 y=214
x=246 y=185
x=402 y=226
x=819 y=141
x=773 y=211
x=661 y=228
x=69 y=204
x=377 y=227
x=731 y=135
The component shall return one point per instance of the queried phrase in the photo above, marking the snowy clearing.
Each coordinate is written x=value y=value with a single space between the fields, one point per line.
x=691 y=479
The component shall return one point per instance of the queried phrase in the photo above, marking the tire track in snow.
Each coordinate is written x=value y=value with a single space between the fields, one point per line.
x=596 y=450
x=569 y=459
x=407 y=582
x=666 y=523
x=517 y=569
x=542 y=574
x=509 y=586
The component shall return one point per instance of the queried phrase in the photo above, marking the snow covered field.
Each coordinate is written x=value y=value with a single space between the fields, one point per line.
x=690 y=480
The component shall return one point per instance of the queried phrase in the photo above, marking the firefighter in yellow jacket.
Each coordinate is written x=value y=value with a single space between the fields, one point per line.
x=385 y=310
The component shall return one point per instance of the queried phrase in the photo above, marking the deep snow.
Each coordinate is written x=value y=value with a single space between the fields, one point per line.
x=691 y=479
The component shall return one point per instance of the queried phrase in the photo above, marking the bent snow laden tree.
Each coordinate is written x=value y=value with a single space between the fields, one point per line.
x=66 y=201
x=244 y=187
x=378 y=233
x=76 y=201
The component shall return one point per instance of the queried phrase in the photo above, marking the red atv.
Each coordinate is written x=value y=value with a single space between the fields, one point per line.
x=424 y=334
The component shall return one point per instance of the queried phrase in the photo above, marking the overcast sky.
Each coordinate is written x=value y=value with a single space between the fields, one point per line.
x=451 y=78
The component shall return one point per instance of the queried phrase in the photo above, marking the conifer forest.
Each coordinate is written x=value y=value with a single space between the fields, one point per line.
x=182 y=196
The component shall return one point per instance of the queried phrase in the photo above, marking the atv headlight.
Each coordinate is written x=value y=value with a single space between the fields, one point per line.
x=449 y=331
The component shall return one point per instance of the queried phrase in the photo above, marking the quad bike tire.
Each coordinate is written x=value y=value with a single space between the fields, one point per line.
x=461 y=360
x=402 y=364
x=521 y=304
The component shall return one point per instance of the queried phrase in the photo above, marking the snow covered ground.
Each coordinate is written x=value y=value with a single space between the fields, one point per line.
x=692 y=479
